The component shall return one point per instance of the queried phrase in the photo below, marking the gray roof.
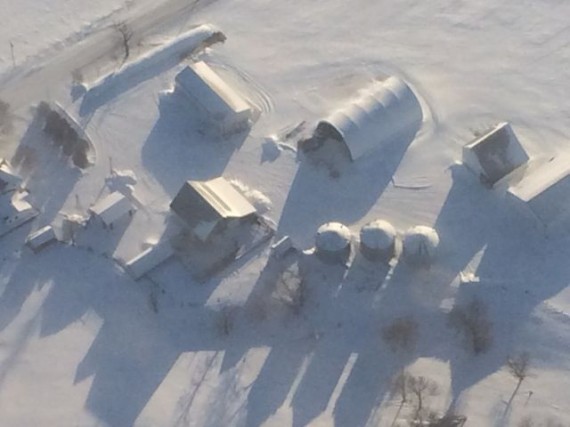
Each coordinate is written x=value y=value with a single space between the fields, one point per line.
x=206 y=202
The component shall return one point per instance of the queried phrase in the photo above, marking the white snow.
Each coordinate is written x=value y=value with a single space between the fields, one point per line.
x=82 y=344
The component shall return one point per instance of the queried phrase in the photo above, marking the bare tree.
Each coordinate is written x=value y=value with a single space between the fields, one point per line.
x=414 y=390
x=472 y=319
x=422 y=388
x=518 y=366
x=401 y=335
x=126 y=34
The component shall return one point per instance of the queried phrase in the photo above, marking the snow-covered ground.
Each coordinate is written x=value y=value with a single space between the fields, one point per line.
x=83 y=344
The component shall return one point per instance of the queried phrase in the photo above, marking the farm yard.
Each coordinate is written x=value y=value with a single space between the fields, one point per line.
x=219 y=213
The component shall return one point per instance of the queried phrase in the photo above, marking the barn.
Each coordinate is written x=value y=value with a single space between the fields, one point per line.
x=112 y=209
x=383 y=112
x=223 y=108
x=207 y=207
x=544 y=195
x=495 y=154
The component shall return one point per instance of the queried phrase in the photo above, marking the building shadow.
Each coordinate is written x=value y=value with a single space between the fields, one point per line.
x=346 y=194
x=176 y=150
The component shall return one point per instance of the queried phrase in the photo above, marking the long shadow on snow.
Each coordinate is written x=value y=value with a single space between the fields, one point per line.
x=315 y=197
x=176 y=150
x=47 y=171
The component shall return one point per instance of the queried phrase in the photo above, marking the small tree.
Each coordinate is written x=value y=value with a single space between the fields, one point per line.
x=518 y=366
x=472 y=319
x=415 y=390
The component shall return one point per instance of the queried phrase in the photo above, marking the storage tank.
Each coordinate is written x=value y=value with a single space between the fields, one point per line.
x=378 y=241
x=420 y=245
x=332 y=242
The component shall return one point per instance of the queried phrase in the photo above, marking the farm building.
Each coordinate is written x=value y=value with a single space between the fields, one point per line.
x=15 y=211
x=9 y=181
x=420 y=244
x=378 y=241
x=544 y=195
x=207 y=207
x=112 y=209
x=495 y=155
x=148 y=259
x=224 y=109
x=383 y=112
x=41 y=238
x=332 y=242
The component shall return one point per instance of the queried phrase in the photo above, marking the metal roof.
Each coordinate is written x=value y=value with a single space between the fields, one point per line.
x=385 y=110
x=207 y=87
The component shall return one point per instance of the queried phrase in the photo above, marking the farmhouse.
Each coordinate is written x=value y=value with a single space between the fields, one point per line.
x=111 y=209
x=544 y=195
x=224 y=109
x=383 y=112
x=207 y=207
x=495 y=154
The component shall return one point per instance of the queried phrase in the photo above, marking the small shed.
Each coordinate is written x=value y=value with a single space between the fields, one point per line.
x=9 y=180
x=225 y=110
x=384 y=111
x=333 y=242
x=544 y=194
x=112 y=208
x=41 y=238
x=378 y=241
x=207 y=207
x=495 y=154
x=420 y=244
x=148 y=259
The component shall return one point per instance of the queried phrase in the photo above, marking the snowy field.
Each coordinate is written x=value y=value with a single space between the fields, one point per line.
x=82 y=344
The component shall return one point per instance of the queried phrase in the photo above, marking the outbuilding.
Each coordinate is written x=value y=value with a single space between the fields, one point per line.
x=544 y=195
x=378 y=241
x=382 y=112
x=41 y=238
x=223 y=108
x=420 y=244
x=112 y=209
x=208 y=207
x=495 y=154
x=148 y=260
x=333 y=242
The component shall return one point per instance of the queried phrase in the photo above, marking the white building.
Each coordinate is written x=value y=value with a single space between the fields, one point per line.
x=544 y=195
x=112 y=208
x=206 y=207
x=495 y=155
x=383 y=112
x=225 y=110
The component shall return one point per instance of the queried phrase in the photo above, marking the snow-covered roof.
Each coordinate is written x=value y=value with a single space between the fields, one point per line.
x=546 y=190
x=420 y=241
x=332 y=236
x=41 y=238
x=383 y=111
x=148 y=259
x=495 y=154
x=203 y=84
x=200 y=204
x=112 y=208
x=378 y=234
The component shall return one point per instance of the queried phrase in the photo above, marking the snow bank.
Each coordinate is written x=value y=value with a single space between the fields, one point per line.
x=260 y=201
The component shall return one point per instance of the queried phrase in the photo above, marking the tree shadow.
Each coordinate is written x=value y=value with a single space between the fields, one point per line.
x=48 y=174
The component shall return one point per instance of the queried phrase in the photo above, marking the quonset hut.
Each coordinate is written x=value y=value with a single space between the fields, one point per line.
x=383 y=112
x=378 y=241
x=332 y=242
